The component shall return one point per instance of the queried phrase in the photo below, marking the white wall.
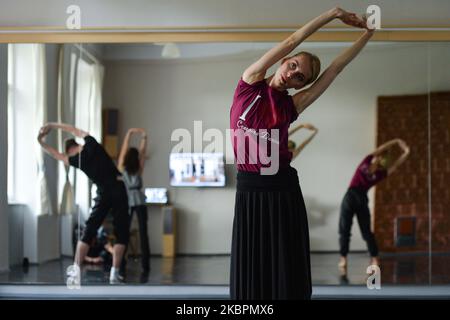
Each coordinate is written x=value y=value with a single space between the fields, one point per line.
x=117 y=13
x=164 y=95
x=4 y=258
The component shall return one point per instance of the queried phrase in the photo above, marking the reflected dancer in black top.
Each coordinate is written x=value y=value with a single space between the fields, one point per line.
x=92 y=159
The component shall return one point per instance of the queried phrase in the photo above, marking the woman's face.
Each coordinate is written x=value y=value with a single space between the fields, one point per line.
x=293 y=73
x=74 y=151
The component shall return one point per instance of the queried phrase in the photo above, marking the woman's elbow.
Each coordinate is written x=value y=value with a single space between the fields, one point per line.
x=291 y=43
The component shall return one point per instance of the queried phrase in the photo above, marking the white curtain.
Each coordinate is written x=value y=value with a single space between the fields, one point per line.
x=11 y=126
x=81 y=106
x=40 y=87
x=96 y=101
x=66 y=111
x=27 y=113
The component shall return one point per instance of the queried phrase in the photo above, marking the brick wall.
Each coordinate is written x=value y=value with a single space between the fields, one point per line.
x=405 y=193
x=440 y=170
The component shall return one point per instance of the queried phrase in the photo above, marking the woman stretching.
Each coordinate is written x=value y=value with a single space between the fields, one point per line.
x=374 y=168
x=131 y=164
x=292 y=145
x=270 y=244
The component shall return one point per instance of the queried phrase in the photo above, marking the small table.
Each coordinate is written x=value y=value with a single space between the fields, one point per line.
x=169 y=228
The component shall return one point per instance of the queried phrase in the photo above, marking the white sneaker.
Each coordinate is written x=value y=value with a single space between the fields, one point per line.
x=73 y=274
x=73 y=270
x=115 y=278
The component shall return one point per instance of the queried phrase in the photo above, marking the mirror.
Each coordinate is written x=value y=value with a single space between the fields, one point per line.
x=392 y=90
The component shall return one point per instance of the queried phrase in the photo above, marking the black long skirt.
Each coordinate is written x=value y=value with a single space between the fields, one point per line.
x=270 y=256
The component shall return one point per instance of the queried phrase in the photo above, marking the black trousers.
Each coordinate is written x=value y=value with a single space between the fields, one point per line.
x=356 y=202
x=142 y=216
x=111 y=199
x=270 y=255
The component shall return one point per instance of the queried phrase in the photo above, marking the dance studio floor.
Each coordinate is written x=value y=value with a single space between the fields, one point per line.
x=209 y=275
x=214 y=270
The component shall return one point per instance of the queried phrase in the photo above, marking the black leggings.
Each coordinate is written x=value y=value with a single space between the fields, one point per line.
x=356 y=201
x=112 y=200
x=142 y=216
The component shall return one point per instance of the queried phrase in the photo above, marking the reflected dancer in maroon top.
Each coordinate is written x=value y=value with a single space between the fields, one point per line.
x=374 y=168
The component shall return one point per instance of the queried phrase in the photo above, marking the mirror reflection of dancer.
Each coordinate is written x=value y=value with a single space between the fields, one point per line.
x=270 y=247
x=131 y=164
x=111 y=193
x=374 y=168
x=292 y=146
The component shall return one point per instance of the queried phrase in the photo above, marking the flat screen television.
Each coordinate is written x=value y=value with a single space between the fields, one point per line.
x=197 y=170
x=156 y=195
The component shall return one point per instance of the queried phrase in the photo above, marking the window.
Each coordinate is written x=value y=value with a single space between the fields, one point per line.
x=26 y=94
